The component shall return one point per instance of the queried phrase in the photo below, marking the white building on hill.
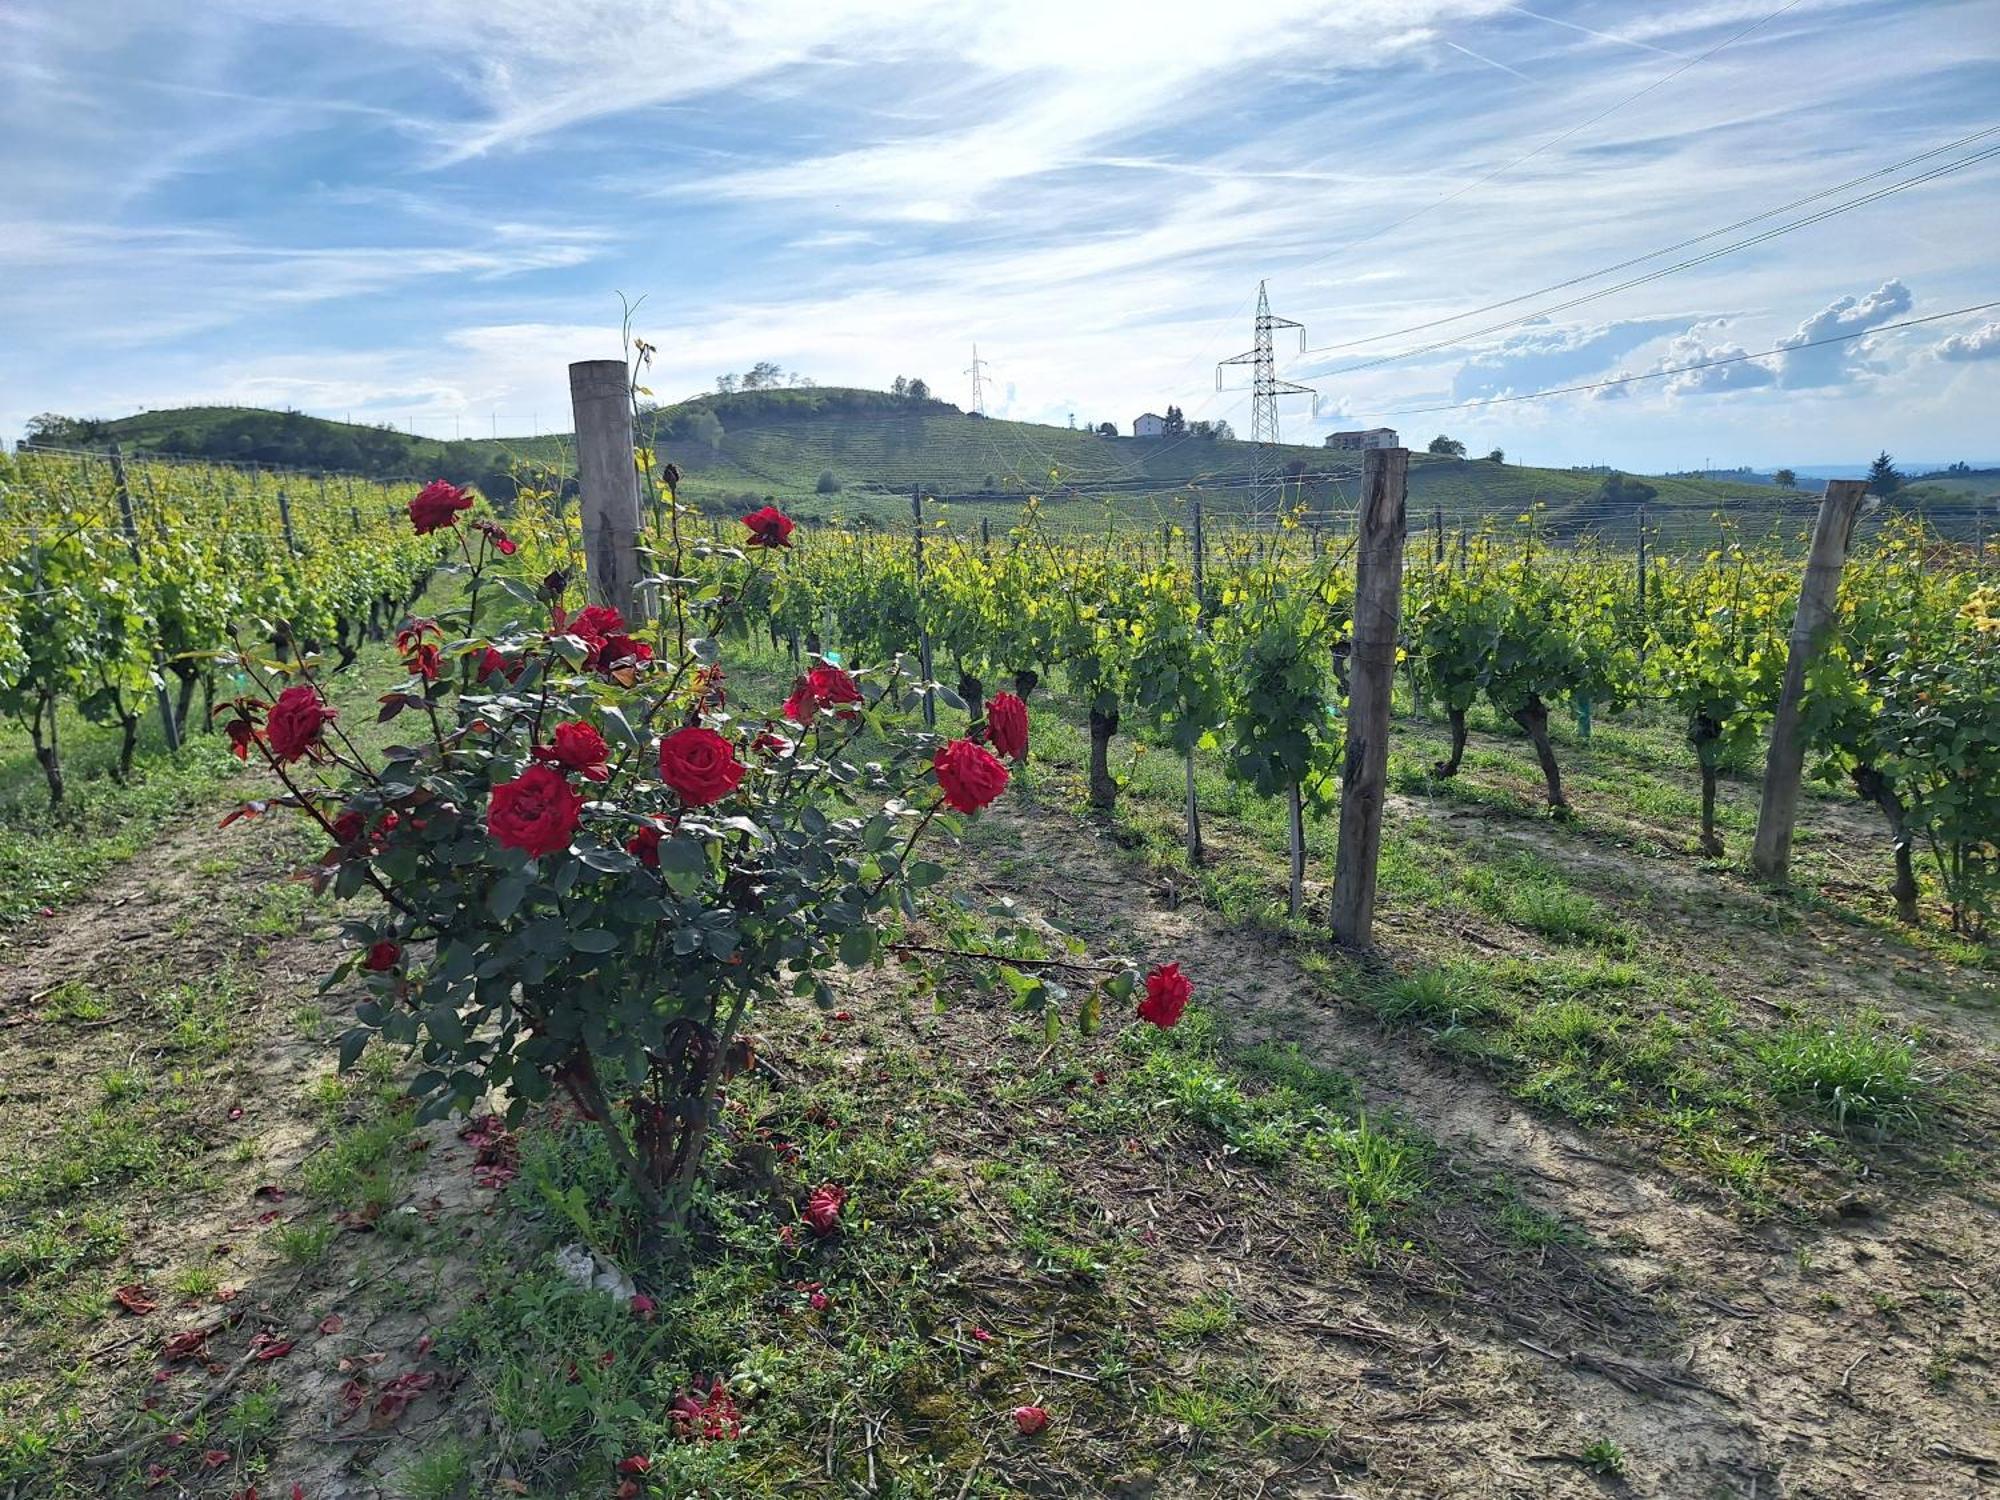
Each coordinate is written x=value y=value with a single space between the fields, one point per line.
x=1151 y=424
x=1374 y=437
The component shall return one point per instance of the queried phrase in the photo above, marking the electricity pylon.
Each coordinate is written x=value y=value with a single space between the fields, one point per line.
x=1265 y=389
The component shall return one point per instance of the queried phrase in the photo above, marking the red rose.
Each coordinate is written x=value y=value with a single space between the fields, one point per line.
x=580 y=748
x=638 y=1463
x=700 y=765
x=822 y=687
x=769 y=527
x=823 y=1208
x=504 y=544
x=833 y=688
x=595 y=622
x=297 y=721
x=536 y=812
x=382 y=957
x=1029 y=1420
x=437 y=505
x=348 y=828
x=1007 y=723
x=819 y=1301
x=771 y=744
x=969 y=774
x=618 y=650
x=493 y=663
x=644 y=846
x=1167 y=992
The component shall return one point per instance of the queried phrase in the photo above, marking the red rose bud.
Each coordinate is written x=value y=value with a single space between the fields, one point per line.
x=1029 y=1420
x=536 y=813
x=423 y=661
x=349 y=827
x=638 y=1463
x=700 y=765
x=819 y=1301
x=969 y=775
x=382 y=957
x=823 y=1208
x=580 y=748
x=644 y=846
x=1167 y=992
x=437 y=505
x=769 y=527
x=643 y=1307
x=1007 y=723
x=297 y=722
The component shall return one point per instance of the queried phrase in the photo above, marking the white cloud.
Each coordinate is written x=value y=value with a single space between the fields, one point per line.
x=1835 y=364
x=1982 y=343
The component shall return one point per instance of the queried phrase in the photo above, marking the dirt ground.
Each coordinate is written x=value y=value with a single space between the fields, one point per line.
x=1850 y=1354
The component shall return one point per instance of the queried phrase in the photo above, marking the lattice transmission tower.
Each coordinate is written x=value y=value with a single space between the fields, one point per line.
x=1265 y=389
x=977 y=370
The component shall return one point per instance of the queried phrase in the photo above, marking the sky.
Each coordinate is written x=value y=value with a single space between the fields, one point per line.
x=419 y=212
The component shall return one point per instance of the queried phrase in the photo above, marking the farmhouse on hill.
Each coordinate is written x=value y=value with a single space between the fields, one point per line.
x=1373 y=437
x=1151 y=424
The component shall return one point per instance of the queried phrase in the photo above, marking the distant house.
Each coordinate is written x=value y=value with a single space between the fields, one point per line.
x=1152 y=424
x=1374 y=437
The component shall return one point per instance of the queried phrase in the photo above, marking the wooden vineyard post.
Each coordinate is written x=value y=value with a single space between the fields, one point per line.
x=608 y=481
x=129 y=524
x=1378 y=603
x=986 y=539
x=1193 y=809
x=923 y=635
x=1771 y=855
x=285 y=520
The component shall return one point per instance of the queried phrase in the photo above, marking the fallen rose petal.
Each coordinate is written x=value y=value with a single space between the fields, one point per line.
x=134 y=1300
x=1030 y=1420
x=214 y=1458
x=638 y=1463
x=330 y=1323
x=270 y=1190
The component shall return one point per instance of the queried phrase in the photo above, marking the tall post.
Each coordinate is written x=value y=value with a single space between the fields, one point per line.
x=1378 y=603
x=1198 y=547
x=129 y=524
x=986 y=538
x=1437 y=537
x=1771 y=855
x=923 y=635
x=285 y=520
x=608 y=481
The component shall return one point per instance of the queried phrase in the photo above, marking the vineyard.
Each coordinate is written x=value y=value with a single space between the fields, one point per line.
x=881 y=1010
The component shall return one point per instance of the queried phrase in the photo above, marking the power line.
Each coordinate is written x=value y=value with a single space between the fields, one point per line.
x=1706 y=364
x=1555 y=140
x=1853 y=182
x=1803 y=222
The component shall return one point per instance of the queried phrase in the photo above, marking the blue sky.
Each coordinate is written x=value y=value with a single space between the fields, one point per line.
x=420 y=211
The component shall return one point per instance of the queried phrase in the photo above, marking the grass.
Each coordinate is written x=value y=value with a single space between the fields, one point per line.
x=1854 y=1072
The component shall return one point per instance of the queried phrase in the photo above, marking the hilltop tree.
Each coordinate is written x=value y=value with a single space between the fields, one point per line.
x=1884 y=478
x=1620 y=491
x=828 y=484
x=1447 y=447
x=1785 y=479
x=1176 y=424
x=899 y=387
x=725 y=384
x=1497 y=456
x=1107 y=429
x=58 y=431
x=762 y=376
x=917 y=390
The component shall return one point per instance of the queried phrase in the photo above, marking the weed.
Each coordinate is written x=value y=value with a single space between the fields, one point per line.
x=1605 y=1458
x=1848 y=1070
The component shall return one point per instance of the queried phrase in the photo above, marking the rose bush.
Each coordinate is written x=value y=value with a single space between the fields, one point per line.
x=592 y=865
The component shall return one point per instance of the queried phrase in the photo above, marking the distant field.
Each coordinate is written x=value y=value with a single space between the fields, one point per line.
x=876 y=447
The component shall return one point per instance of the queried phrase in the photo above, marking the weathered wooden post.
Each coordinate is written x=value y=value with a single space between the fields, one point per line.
x=923 y=635
x=1378 y=603
x=608 y=480
x=1196 y=548
x=285 y=520
x=1771 y=855
x=129 y=524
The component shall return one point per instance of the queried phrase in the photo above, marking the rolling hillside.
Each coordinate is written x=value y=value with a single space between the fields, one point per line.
x=875 y=447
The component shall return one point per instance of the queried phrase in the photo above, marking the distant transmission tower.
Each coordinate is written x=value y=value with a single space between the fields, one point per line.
x=1265 y=388
x=977 y=370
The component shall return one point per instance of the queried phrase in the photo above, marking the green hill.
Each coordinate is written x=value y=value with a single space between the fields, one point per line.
x=837 y=452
